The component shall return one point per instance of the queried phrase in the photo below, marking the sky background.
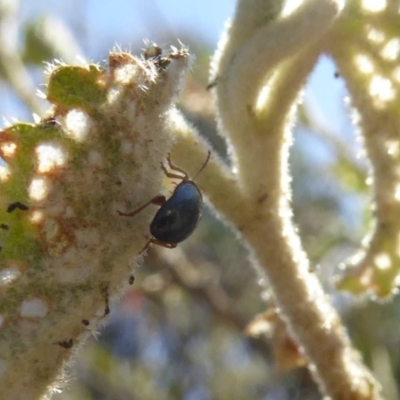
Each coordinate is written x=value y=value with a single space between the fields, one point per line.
x=99 y=25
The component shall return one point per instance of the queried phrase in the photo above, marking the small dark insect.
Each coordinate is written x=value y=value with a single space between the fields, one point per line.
x=178 y=216
x=16 y=205
x=154 y=53
x=5 y=227
x=131 y=280
x=49 y=121
x=212 y=84
x=107 y=301
x=85 y=322
x=67 y=344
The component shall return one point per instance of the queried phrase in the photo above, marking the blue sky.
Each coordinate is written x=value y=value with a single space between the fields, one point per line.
x=98 y=25
x=119 y=20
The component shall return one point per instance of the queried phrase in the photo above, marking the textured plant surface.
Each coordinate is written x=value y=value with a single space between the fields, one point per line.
x=65 y=251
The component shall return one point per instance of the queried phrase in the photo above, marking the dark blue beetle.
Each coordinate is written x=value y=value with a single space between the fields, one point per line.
x=178 y=216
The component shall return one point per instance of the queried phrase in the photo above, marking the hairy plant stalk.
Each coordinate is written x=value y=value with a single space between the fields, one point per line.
x=66 y=251
x=265 y=225
x=373 y=85
x=259 y=73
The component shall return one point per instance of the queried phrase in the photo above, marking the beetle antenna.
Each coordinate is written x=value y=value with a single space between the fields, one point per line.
x=204 y=165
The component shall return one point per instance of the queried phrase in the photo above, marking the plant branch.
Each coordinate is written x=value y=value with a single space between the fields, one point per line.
x=258 y=127
x=374 y=267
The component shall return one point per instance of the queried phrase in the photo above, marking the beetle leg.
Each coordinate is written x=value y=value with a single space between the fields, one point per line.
x=172 y=175
x=145 y=247
x=175 y=168
x=162 y=244
x=158 y=243
x=158 y=201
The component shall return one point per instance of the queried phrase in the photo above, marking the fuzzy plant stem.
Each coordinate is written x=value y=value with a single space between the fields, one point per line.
x=374 y=267
x=66 y=251
x=259 y=130
x=259 y=72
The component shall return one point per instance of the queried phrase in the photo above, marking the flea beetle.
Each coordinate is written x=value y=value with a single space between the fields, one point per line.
x=178 y=216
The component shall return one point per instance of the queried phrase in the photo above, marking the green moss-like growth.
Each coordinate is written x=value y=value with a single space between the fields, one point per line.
x=77 y=87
